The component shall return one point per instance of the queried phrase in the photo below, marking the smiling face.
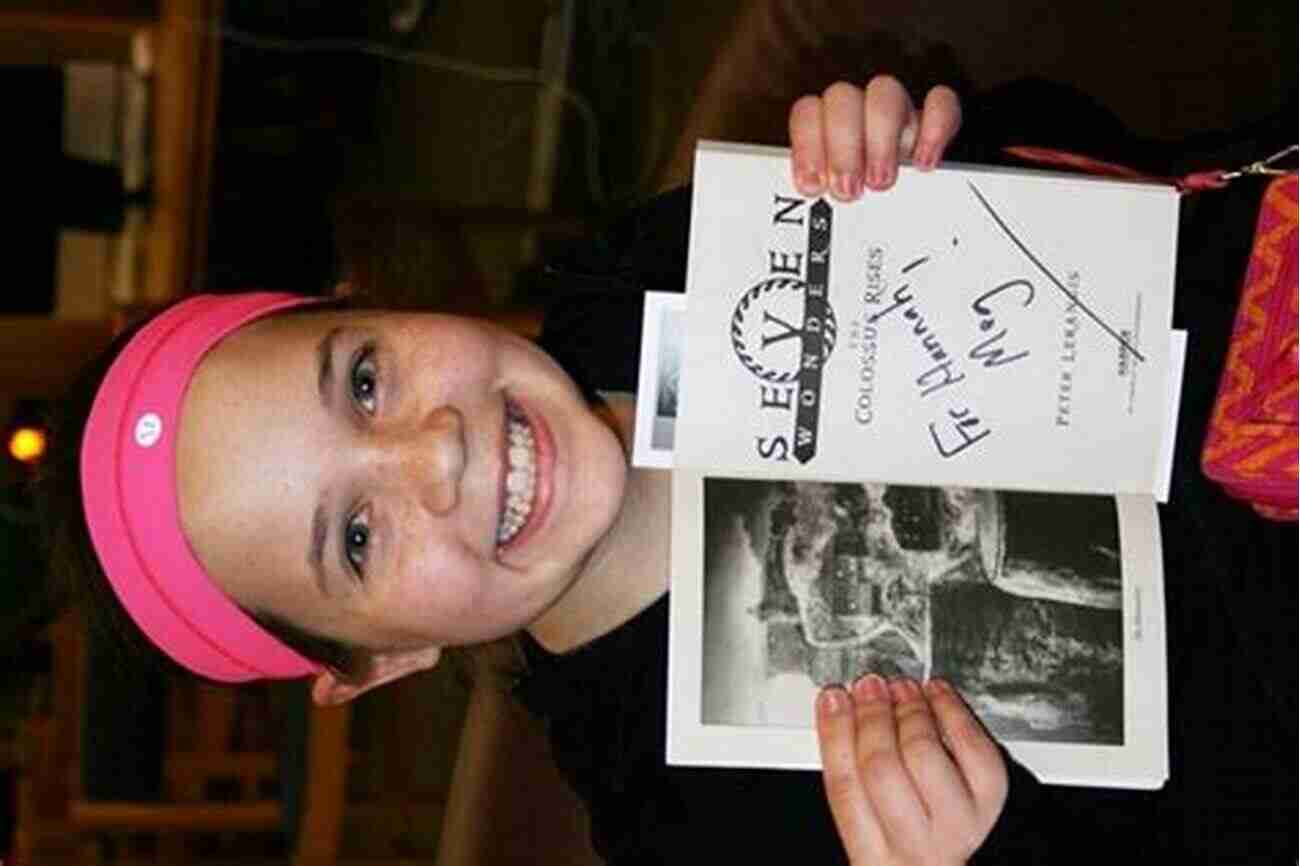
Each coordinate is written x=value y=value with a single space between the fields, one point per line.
x=393 y=481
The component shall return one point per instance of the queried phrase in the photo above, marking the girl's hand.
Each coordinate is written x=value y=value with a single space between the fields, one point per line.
x=911 y=775
x=849 y=138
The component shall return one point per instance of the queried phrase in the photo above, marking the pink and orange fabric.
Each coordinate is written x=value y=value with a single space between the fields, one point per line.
x=1251 y=447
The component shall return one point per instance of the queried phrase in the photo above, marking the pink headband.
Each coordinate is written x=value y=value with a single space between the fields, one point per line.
x=128 y=485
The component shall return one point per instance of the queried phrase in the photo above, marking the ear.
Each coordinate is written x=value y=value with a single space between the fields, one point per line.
x=330 y=688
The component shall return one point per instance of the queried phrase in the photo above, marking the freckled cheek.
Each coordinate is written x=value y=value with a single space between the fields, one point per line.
x=456 y=362
x=444 y=592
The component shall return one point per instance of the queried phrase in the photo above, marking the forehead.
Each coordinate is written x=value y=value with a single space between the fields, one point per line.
x=252 y=448
x=254 y=388
x=279 y=333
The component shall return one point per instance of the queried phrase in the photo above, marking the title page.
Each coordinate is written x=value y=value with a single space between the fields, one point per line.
x=978 y=327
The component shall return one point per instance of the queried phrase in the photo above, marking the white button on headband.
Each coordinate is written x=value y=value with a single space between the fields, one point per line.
x=148 y=430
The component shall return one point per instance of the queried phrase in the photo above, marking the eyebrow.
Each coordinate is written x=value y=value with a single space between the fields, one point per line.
x=316 y=550
x=319 y=521
x=325 y=366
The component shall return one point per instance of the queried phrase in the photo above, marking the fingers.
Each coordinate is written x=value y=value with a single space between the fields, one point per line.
x=911 y=776
x=946 y=795
x=850 y=139
x=842 y=123
x=807 y=147
x=891 y=129
x=890 y=791
x=940 y=120
x=826 y=141
x=973 y=751
x=837 y=738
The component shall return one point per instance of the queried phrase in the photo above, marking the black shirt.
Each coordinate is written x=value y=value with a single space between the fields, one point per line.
x=1230 y=595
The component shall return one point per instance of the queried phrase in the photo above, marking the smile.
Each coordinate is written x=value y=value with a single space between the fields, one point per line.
x=520 y=487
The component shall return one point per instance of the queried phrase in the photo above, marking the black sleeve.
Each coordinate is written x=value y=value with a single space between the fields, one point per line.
x=596 y=291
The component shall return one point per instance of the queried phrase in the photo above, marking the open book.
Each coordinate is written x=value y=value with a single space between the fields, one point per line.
x=921 y=434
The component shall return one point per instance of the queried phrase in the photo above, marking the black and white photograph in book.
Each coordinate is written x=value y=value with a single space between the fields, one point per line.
x=1015 y=598
x=666 y=384
x=660 y=379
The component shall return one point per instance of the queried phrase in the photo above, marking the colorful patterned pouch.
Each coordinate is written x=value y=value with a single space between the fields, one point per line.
x=1251 y=445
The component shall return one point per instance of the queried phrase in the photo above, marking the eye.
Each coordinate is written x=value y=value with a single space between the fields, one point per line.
x=356 y=543
x=364 y=379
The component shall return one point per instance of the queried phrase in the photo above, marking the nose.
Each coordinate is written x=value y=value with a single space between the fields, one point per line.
x=431 y=455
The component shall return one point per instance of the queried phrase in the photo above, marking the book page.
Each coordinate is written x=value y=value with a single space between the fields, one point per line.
x=660 y=383
x=659 y=380
x=976 y=327
x=1045 y=611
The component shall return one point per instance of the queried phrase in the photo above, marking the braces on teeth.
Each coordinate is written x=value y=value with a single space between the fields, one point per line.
x=520 y=476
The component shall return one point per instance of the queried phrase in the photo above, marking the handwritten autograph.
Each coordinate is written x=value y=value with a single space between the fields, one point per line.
x=960 y=427
x=1074 y=298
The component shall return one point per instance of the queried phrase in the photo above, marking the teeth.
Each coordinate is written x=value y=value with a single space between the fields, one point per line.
x=519 y=476
x=519 y=480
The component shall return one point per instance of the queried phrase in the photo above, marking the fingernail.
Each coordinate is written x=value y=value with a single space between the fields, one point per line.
x=810 y=180
x=904 y=689
x=842 y=185
x=832 y=700
x=870 y=688
x=938 y=687
x=891 y=174
x=875 y=174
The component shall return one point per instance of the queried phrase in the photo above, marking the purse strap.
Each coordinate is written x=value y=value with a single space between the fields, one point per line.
x=1197 y=181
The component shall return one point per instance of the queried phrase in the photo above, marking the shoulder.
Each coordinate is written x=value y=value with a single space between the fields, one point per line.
x=595 y=290
x=642 y=247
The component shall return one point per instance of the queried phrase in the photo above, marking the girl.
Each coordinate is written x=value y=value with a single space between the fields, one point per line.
x=271 y=488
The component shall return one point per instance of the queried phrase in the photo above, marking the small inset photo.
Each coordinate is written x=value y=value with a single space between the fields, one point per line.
x=657 y=388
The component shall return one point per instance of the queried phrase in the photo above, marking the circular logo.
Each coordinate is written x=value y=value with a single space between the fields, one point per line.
x=769 y=326
x=148 y=429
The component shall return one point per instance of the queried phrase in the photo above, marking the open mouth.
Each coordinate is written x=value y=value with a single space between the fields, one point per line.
x=519 y=488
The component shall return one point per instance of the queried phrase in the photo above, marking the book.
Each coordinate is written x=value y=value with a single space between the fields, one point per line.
x=921 y=434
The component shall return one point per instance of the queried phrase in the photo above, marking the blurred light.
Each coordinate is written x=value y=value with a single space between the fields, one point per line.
x=27 y=444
